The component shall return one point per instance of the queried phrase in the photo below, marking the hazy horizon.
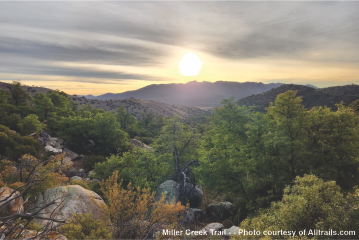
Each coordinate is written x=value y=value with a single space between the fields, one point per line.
x=99 y=47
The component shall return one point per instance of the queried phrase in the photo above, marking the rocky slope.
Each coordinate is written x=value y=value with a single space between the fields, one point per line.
x=311 y=97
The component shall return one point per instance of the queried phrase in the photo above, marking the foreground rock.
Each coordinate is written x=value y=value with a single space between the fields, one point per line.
x=220 y=211
x=194 y=215
x=212 y=227
x=69 y=200
x=174 y=192
x=14 y=206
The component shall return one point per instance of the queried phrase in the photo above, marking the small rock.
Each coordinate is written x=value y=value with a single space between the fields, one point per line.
x=87 y=179
x=136 y=142
x=81 y=171
x=76 y=178
x=91 y=172
x=231 y=231
x=66 y=161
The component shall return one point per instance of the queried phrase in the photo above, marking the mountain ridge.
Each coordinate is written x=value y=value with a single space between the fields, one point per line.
x=201 y=94
x=311 y=97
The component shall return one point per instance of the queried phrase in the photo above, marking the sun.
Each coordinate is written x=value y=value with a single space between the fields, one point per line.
x=190 y=65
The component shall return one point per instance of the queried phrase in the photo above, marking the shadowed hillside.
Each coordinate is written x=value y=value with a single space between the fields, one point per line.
x=202 y=94
x=311 y=97
x=132 y=105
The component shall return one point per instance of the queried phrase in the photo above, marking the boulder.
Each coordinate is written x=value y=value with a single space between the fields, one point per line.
x=170 y=188
x=220 y=211
x=14 y=206
x=136 y=142
x=175 y=192
x=194 y=215
x=194 y=195
x=70 y=154
x=66 y=161
x=76 y=178
x=90 y=173
x=53 y=150
x=69 y=199
x=212 y=227
x=81 y=171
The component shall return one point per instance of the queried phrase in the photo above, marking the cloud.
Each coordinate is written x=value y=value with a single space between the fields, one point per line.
x=35 y=36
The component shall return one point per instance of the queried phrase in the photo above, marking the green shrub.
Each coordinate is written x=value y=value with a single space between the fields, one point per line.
x=85 y=227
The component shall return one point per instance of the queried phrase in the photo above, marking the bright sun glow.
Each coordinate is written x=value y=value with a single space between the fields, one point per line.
x=190 y=65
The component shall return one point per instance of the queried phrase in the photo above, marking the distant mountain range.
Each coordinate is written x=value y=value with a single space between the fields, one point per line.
x=201 y=94
x=311 y=97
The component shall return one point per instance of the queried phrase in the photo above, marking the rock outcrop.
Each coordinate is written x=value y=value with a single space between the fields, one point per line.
x=14 y=206
x=176 y=192
x=69 y=200
x=220 y=211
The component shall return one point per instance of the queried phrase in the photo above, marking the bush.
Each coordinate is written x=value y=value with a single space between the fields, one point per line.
x=310 y=204
x=85 y=227
x=90 y=162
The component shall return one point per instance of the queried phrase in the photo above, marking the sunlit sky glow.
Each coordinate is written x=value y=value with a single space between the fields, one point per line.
x=100 y=47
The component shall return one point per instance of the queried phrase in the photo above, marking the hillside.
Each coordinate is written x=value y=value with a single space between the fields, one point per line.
x=201 y=94
x=132 y=105
x=311 y=97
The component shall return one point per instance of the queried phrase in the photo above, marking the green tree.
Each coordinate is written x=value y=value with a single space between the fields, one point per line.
x=140 y=167
x=44 y=107
x=177 y=145
x=13 y=146
x=126 y=120
x=30 y=124
x=310 y=203
x=103 y=129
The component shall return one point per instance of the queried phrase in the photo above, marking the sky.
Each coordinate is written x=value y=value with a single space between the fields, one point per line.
x=97 y=47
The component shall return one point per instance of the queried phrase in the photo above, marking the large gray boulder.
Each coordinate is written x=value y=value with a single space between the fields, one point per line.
x=170 y=188
x=178 y=193
x=69 y=199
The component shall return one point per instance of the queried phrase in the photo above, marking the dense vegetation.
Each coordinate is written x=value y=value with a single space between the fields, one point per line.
x=287 y=161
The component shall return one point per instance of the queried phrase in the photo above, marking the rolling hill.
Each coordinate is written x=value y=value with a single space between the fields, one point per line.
x=311 y=97
x=201 y=94
x=132 y=105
